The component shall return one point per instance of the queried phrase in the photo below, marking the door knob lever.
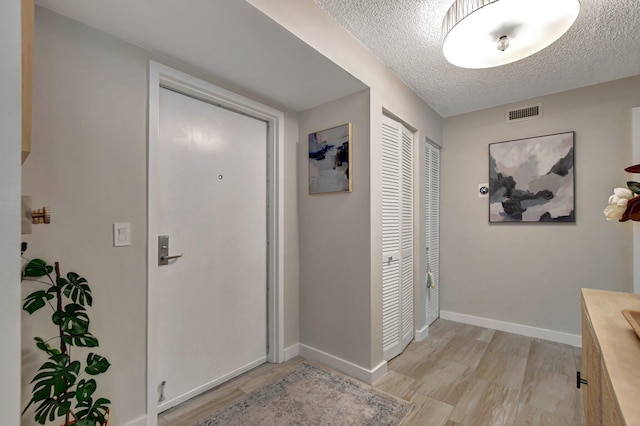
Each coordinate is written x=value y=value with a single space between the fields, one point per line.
x=175 y=256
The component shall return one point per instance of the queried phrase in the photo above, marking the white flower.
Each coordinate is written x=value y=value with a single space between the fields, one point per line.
x=623 y=193
x=618 y=203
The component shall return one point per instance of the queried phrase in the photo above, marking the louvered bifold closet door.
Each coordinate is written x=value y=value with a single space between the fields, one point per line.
x=390 y=238
x=432 y=228
x=406 y=293
x=397 y=238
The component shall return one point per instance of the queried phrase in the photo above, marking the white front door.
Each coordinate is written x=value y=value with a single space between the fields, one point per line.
x=211 y=202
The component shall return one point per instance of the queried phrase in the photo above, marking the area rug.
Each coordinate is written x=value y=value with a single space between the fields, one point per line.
x=309 y=395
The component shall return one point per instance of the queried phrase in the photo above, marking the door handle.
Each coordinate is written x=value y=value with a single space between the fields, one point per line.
x=163 y=251
x=175 y=256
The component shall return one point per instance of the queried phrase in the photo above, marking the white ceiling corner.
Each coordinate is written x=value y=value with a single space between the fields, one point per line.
x=230 y=39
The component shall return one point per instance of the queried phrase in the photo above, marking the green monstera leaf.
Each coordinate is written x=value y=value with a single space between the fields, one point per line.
x=74 y=322
x=87 y=422
x=86 y=340
x=50 y=409
x=73 y=319
x=51 y=389
x=55 y=376
x=93 y=412
x=45 y=347
x=96 y=364
x=37 y=268
x=85 y=389
x=76 y=288
x=36 y=300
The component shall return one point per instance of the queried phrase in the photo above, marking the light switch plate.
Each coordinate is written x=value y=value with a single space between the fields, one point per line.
x=121 y=234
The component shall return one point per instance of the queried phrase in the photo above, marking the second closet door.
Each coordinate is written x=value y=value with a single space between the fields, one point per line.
x=432 y=228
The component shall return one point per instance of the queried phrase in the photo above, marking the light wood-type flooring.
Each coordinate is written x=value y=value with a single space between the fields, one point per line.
x=459 y=375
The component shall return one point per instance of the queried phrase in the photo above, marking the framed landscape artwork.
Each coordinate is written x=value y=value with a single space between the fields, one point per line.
x=532 y=180
x=330 y=160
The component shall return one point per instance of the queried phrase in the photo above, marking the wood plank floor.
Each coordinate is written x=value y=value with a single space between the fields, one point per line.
x=460 y=375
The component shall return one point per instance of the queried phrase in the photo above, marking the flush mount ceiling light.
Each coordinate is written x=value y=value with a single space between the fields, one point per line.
x=488 y=33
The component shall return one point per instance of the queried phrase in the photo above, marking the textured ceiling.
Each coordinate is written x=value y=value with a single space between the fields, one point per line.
x=602 y=45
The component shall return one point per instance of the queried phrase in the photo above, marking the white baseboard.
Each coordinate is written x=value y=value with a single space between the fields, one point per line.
x=525 y=330
x=203 y=388
x=291 y=351
x=346 y=367
x=421 y=334
x=140 y=421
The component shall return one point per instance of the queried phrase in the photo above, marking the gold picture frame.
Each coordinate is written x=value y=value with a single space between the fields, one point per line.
x=330 y=162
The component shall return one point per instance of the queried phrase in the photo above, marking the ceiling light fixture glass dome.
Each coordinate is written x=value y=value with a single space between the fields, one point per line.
x=472 y=29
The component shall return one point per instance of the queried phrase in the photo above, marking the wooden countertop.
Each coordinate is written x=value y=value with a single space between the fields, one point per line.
x=619 y=346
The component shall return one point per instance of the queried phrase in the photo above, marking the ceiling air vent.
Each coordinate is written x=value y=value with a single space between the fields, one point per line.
x=524 y=113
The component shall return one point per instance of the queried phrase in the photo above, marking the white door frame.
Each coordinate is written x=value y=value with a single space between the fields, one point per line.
x=164 y=76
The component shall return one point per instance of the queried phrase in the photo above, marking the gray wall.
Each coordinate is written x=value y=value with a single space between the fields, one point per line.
x=387 y=94
x=335 y=286
x=10 y=211
x=531 y=274
x=89 y=165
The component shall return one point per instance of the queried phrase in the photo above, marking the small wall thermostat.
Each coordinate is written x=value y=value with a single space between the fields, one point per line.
x=483 y=190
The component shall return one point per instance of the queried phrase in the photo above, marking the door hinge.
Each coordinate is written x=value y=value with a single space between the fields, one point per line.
x=580 y=381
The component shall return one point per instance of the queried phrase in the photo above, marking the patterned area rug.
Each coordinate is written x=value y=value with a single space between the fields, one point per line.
x=313 y=396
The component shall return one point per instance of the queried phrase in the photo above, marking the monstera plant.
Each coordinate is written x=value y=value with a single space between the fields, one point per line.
x=63 y=387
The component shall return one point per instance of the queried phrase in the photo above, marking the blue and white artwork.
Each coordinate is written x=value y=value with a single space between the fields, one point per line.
x=532 y=180
x=330 y=160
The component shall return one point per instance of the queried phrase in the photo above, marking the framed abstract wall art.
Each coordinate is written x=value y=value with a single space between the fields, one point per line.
x=330 y=160
x=532 y=180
